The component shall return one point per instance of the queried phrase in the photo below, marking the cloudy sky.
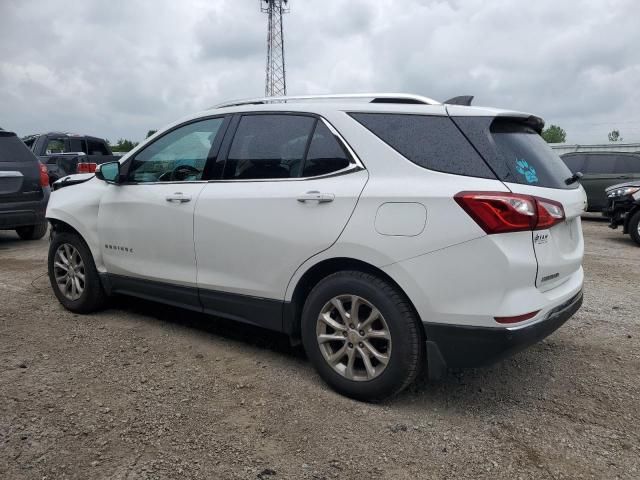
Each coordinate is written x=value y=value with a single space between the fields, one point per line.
x=117 y=68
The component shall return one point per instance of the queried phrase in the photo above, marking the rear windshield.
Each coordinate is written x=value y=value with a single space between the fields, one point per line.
x=12 y=149
x=516 y=152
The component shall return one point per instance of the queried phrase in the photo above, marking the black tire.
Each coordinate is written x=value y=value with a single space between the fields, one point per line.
x=32 y=232
x=407 y=338
x=634 y=224
x=93 y=297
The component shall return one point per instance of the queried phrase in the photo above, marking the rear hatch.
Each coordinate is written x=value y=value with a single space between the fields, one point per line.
x=513 y=148
x=19 y=170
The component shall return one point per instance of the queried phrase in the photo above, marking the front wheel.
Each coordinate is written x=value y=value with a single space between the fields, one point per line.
x=32 y=232
x=634 y=227
x=73 y=274
x=362 y=335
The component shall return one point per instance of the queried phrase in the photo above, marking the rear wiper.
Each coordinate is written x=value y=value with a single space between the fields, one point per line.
x=573 y=178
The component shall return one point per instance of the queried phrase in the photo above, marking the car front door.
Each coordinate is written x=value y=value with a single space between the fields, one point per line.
x=288 y=189
x=145 y=223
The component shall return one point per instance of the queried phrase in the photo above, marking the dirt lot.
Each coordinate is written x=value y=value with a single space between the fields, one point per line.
x=147 y=391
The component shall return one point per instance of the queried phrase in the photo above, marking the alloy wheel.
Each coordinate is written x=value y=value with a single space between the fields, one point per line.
x=69 y=271
x=354 y=337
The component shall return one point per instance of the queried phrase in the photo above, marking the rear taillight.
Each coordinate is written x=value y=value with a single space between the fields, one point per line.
x=86 y=167
x=549 y=213
x=498 y=212
x=44 y=175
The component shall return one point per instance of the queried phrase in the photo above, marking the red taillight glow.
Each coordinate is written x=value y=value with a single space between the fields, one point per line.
x=517 y=318
x=87 y=167
x=44 y=175
x=498 y=212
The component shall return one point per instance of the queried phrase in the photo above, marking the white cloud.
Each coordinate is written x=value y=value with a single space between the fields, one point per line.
x=119 y=68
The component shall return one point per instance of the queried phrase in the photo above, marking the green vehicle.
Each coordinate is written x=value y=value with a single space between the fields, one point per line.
x=601 y=170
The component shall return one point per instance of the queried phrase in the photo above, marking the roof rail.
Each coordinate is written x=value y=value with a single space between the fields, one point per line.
x=375 y=98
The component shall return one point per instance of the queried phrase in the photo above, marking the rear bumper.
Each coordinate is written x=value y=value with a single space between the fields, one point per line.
x=22 y=214
x=461 y=346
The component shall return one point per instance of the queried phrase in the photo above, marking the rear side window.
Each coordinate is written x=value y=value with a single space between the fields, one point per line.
x=55 y=145
x=326 y=154
x=95 y=147
x=432 y=142
x=575 y=162
x=628 y=164
x=12 y=149
x=516 y=152
x=603 y=164
x=77 y=145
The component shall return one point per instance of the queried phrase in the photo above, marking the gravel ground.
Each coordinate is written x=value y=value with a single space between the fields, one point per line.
x=147 y=391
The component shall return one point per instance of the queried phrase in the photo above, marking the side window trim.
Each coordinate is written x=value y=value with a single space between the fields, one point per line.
x=213 y=152
x=355 y=164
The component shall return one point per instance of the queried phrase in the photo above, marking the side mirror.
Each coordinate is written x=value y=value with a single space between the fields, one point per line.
x=109 y=172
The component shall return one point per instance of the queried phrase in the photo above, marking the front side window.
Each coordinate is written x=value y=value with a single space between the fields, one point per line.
x=178 y=156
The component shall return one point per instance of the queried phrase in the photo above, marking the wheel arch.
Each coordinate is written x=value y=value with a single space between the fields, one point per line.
x=320 y=270
x=68 y=225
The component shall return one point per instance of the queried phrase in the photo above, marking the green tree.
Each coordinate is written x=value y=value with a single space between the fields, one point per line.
x=614 y=136
x=123 y=145
x=150 y=132
x=554 y=134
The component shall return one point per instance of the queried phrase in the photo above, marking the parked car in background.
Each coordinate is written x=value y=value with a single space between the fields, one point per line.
x=24 y=189
x=65 y=153
x=386 y=234
x=623 y=208
x=601 y=170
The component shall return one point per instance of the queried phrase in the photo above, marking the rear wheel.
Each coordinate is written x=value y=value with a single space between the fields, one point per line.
x=362 y=335
x=73 y=274
x=634 y=227
x=32 y=232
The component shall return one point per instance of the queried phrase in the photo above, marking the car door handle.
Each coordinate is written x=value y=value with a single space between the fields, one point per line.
x=178 y=197
x=316 y=197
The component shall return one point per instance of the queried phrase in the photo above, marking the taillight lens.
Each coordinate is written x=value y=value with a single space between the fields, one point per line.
x=86 y=167
x=549 y=213
x=44 y=175
x=498 y=212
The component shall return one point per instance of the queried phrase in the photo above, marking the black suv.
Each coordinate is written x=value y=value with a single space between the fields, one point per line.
x=24 y=189
x=601 y=170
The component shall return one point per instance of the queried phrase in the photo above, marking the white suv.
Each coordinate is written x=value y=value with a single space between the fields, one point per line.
x=386 y=232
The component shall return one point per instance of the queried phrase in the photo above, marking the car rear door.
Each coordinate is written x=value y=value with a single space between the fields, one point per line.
x=19 y=170
x=288 y=188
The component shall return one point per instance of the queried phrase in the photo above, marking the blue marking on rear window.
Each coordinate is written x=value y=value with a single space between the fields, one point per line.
x=526 y=170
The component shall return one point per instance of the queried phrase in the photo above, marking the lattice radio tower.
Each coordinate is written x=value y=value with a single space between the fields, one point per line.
x=276 y=82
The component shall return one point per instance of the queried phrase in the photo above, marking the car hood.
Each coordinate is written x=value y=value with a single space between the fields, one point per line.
x=622 y=185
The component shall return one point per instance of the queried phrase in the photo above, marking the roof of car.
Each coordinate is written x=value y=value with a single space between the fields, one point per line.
x=608 y=152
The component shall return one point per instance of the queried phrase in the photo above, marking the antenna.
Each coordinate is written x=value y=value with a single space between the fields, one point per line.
x=275 y=83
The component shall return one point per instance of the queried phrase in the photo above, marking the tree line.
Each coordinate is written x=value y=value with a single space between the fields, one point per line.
x=125 y=145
